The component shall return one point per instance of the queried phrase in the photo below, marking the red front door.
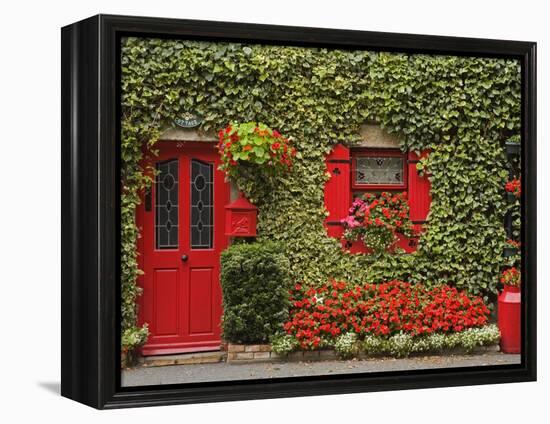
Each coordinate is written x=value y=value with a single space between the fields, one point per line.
x=181 y=222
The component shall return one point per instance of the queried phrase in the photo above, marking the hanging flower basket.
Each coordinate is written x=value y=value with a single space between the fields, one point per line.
x=513 y=189
x=250 y=148
x=511 y=249
x=378 y=221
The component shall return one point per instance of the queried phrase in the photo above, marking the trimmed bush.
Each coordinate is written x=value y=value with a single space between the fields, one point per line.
x=255 y=282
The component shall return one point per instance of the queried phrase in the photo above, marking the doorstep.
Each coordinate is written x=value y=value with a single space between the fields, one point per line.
x=183 y=359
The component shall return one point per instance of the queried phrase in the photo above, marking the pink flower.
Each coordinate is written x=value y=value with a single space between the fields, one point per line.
x=350 y=222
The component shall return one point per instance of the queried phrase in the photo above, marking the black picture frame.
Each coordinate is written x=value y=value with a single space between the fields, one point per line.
x=91 y=216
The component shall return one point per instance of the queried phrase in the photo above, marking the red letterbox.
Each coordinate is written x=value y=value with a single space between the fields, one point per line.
x=241 y=218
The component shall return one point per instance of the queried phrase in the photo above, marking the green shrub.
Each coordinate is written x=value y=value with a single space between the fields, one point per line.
x=134 y=337
x=255 y=282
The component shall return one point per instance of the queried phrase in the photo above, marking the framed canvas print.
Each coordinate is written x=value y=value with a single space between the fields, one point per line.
x=255 y=211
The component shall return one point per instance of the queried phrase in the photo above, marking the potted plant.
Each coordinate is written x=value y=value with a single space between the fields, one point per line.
x=378 y=221
x=513 y=190
x=251 y=148
x=509 y=311
x=511 y=249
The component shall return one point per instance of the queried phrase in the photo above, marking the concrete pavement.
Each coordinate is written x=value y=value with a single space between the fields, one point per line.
x=174 y=374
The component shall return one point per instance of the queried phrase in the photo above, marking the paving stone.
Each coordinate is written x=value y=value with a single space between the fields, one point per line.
x=296 y=356
x=276 y=357
x=327 y=354
x=252 y=348
x=245 y=355
x=235 y=348
x=311 y=355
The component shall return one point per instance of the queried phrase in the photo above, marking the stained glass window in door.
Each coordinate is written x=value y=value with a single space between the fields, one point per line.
x=167 y=205
x=202 y=204
x=379 y=170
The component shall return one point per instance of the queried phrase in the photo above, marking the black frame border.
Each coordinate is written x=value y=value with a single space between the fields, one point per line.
x=90 y=221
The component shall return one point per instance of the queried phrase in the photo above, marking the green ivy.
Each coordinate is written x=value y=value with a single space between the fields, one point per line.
x=462 y=108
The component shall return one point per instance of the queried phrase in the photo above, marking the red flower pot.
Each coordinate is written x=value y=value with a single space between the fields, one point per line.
x=509 y=319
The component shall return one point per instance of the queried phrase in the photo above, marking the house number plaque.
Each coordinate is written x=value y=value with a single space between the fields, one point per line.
x=188 y=120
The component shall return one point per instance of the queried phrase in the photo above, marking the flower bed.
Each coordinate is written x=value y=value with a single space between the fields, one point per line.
x=285 y=348
x=400 y=345
x=382 y=315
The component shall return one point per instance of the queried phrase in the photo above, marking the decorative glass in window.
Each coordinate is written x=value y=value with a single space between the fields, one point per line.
x=381 y=170
x=202 y=204
x=167 y=205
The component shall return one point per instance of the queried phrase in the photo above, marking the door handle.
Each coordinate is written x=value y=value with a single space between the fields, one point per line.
x=184 y=258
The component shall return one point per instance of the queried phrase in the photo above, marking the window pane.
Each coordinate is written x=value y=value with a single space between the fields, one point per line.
x=387 y=170
x=202 y=204
x=167 y=205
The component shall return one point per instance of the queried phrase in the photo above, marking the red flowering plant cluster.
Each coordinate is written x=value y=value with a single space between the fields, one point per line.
x=514 y=187
x=511 y=277
x=319 y=315
x=375 y=219
x=513 y=243
x=254 y=144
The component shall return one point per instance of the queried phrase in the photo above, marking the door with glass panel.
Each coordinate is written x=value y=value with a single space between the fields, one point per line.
x=182 y=236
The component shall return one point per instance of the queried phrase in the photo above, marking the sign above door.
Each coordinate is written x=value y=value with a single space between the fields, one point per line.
x=188 y=120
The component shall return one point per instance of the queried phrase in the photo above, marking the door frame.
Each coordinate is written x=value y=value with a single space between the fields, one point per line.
x=171 y=148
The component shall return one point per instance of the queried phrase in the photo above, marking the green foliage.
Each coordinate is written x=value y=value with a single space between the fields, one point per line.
x=346 y=345
x=462 y=108
x=403 y=345
x=255 y=282
x=283 y=344
x=376 y=218
x=134 y=336
x=250 y=149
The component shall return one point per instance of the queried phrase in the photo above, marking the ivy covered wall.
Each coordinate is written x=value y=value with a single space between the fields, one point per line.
x=462 y=108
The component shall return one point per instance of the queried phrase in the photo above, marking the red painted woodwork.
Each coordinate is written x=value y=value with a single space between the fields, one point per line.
x=337 y=189
x=241 y=218
x=338 y=193
x=509 y=319
x=357 y=153
x=181 y=300
x=418 y=192
x=405 y=243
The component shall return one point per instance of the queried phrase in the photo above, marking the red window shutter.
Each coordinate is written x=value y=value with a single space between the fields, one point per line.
x=419 y=192
x=337 y=189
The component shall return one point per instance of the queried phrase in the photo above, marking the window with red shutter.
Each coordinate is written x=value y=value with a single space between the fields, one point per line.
x=355 y=172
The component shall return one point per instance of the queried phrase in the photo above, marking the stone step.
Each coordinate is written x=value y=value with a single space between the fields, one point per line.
x=183 y=359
